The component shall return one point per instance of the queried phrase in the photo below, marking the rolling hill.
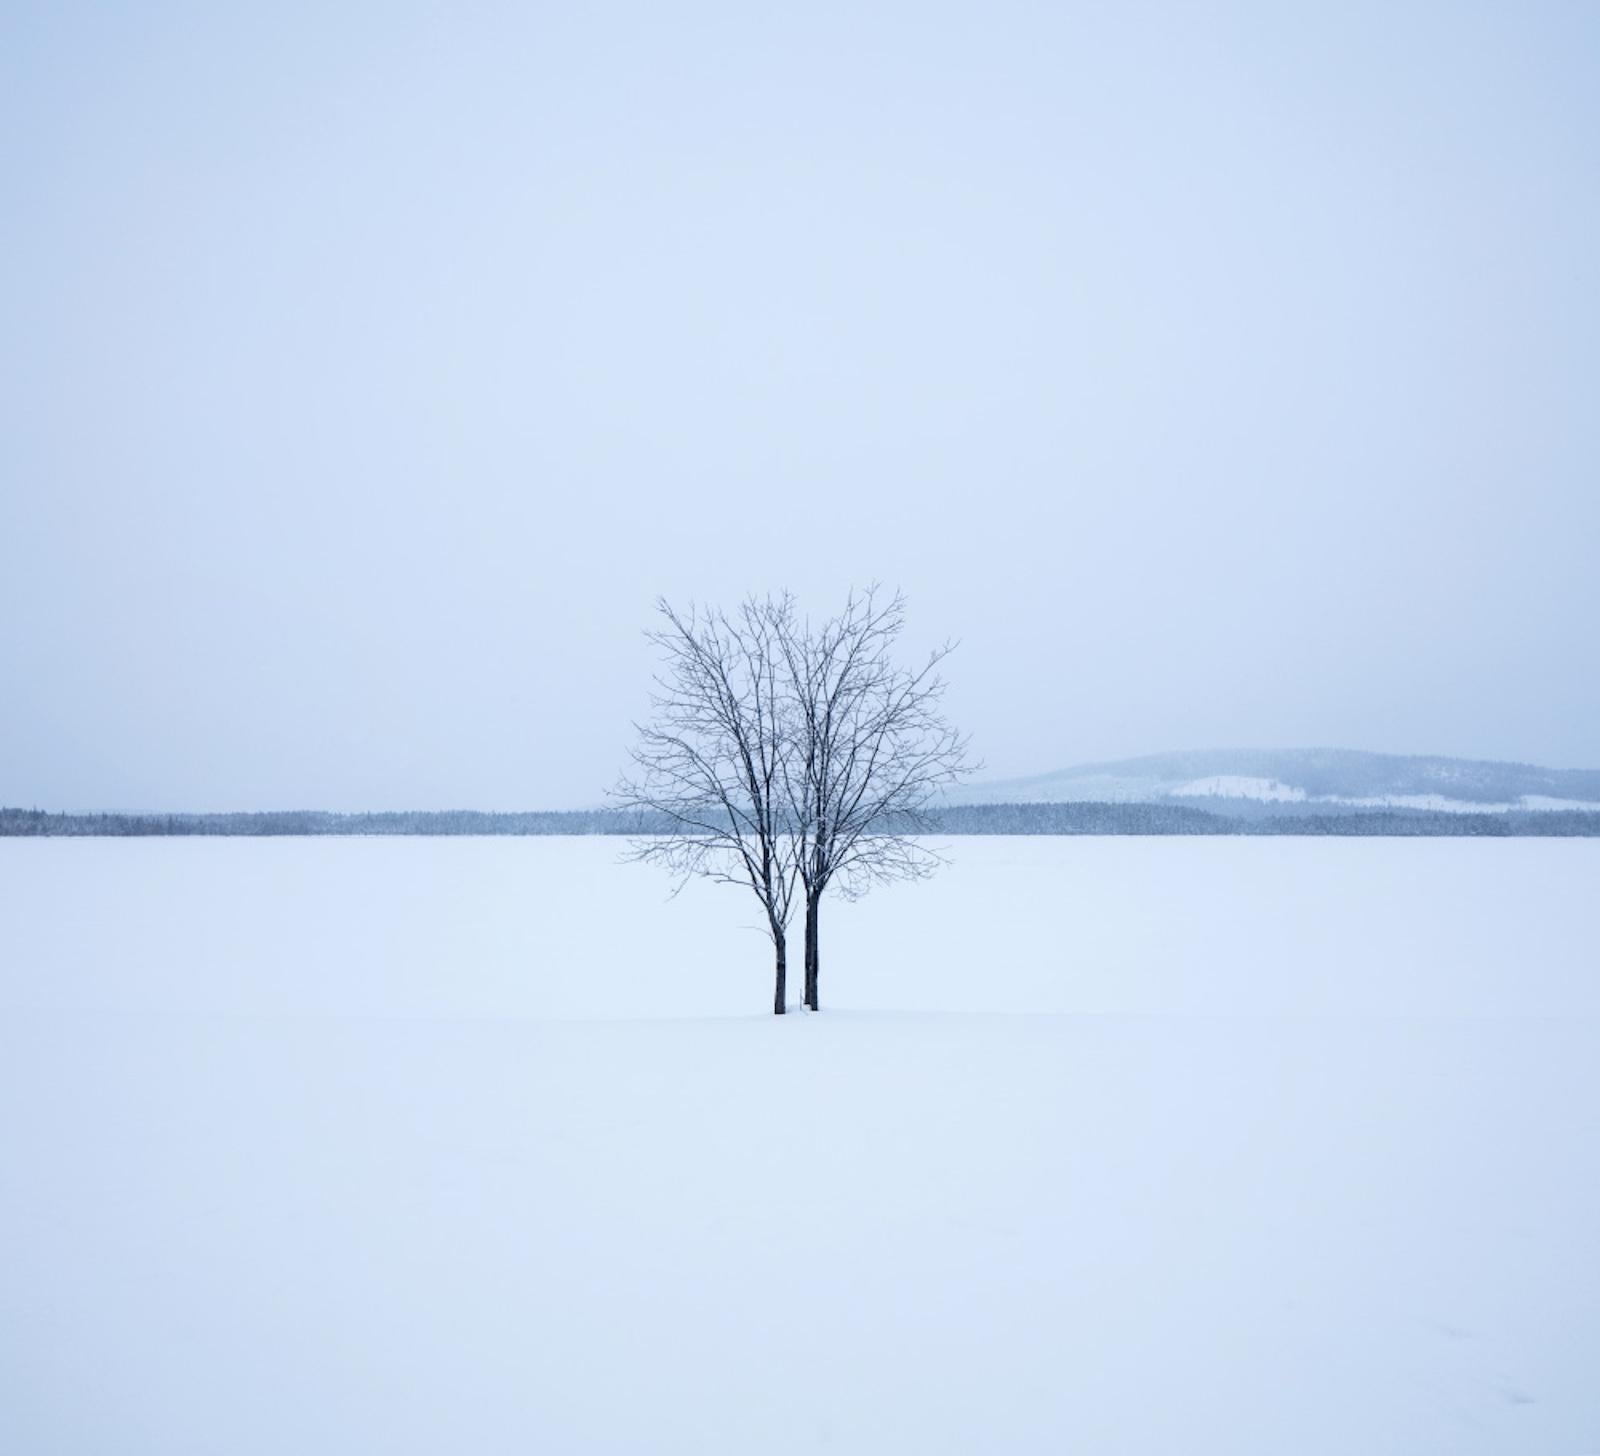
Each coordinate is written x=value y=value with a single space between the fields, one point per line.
x=1301 y=780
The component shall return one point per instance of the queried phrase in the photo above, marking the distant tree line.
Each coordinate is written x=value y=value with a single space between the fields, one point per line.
x=293 y=822
x=1144 y=818
x=966 y=819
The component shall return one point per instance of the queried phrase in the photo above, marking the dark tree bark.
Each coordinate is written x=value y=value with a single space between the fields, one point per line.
x=813 y=955
x=780 y=990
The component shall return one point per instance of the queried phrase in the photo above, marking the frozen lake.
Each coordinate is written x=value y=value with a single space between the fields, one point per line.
x=1102 y=1145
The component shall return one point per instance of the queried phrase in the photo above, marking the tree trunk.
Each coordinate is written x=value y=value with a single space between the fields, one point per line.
x=813 y=905
x=780 y=991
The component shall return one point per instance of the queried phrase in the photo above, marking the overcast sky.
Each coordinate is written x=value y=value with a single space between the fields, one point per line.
x=1218 y=375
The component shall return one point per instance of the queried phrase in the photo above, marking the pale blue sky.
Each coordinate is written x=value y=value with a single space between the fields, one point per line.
x=1219 y=375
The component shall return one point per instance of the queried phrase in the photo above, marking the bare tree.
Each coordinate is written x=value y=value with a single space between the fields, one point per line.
x=709 y=767
x=869 y=750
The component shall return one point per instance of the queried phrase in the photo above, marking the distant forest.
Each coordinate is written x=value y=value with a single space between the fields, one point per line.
x=1073 y=818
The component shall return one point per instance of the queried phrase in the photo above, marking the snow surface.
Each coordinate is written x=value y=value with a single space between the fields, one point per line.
x=1544 y=801
x=1444 y=804
x=1438 y=803
x=1239 y=786
x=1272 y=791
x=1104 y=1145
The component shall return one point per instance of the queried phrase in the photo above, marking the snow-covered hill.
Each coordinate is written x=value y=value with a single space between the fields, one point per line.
x=1313 y=780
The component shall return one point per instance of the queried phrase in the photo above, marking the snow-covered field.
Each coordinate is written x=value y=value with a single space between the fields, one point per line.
x=1100 y=1145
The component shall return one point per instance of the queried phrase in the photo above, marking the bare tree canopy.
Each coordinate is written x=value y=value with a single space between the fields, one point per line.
x=710 y=763
x=789 y=758
x=870 y=752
